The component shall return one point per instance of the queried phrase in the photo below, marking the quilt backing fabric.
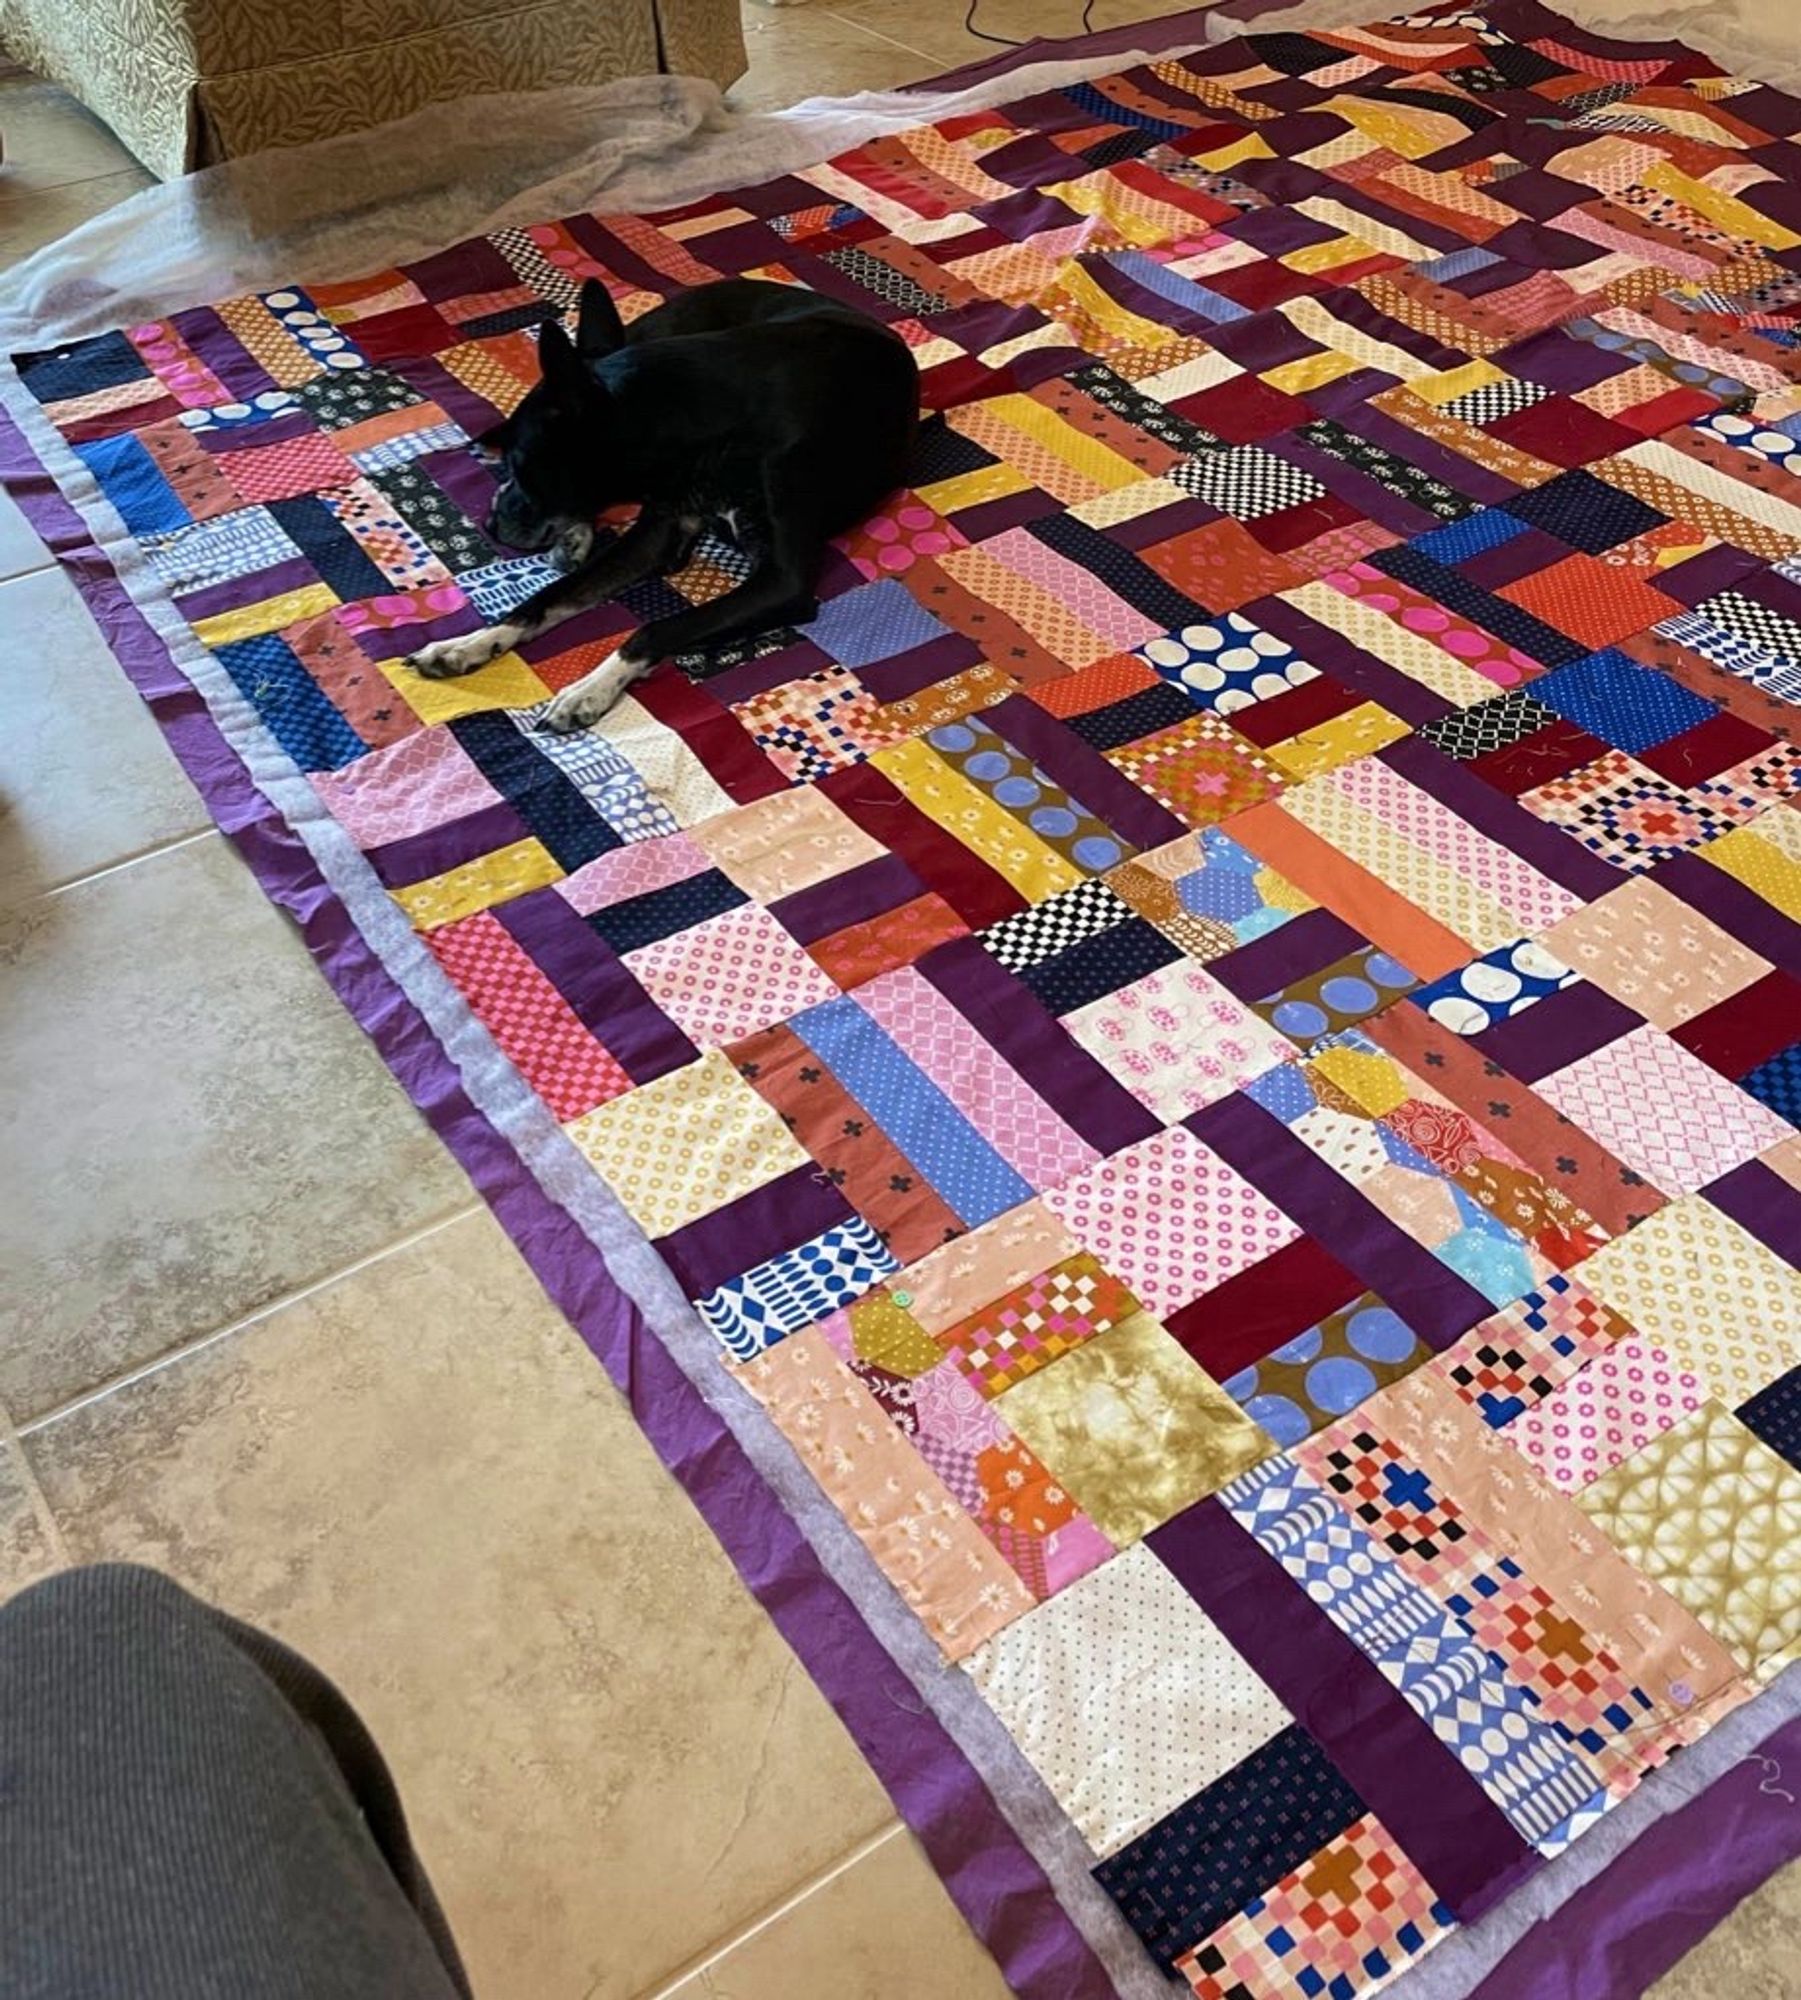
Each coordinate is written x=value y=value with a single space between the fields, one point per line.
x=1218 y=1043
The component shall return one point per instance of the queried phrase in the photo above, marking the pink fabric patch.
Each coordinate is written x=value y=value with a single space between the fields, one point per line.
x=1622 y=1400
x=1079 y=590
x=989 y=1092
x=730 y=976
x=1170 y=1219
x=424 y=780
x=633 y=870
x=1534 y=899
x=1663 y=1111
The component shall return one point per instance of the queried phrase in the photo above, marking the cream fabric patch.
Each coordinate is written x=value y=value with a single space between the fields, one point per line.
x=1104 y=1688
x=677 y=1148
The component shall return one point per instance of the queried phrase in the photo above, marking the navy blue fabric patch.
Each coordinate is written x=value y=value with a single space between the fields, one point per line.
x=80 y=368
x=1138 y=716
x=330 y=547
x=542 y=796
x=661 y=913
x=1099 y=965
x=1585 y=512
x=1774 y=1414
x=1777 y=1083
x=1176 y=1884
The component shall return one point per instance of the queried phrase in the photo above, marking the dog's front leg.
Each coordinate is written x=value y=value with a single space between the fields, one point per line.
x=779 y=592
x=654 y=541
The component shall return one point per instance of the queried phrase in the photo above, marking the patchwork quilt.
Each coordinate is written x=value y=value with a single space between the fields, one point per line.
x=1217 y=1044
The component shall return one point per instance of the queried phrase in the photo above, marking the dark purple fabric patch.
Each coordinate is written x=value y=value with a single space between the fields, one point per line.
x=1452 y=1833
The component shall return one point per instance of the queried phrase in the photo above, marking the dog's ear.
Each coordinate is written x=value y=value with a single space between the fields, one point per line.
x=562 y=366
x=598 y=329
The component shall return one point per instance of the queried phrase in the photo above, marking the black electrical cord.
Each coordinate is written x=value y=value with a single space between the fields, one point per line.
x=1006 y=41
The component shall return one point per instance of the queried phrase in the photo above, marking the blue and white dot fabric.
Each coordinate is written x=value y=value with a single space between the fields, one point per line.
x=1494 y=987
x=1228 y=663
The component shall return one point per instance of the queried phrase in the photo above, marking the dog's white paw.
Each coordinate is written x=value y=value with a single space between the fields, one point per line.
x=584 y=702
x=444 y=659
x=573 y=546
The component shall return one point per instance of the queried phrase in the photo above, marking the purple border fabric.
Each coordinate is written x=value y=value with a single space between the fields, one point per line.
x=1664 y=1893
x=999 y=1887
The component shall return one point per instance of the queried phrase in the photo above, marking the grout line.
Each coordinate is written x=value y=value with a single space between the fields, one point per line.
x=12 y=196
x=132 y=1376
x=851 y=21
x=150 y=853
x=716 y=1954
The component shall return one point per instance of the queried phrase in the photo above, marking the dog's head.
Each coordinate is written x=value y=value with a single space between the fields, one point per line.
x=553 y=448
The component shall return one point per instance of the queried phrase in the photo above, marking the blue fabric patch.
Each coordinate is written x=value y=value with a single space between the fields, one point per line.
x=905 y=1104
x=267 y=673
x=131 y=480
x=872 y=622
x=1612 y=696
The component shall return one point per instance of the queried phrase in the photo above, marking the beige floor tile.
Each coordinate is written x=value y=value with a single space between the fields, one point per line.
x=190 y=1124
x=20 y=549
x=421 y=1478
x=32 y=218
x=1751 y=1956
x=882 y=1928
x=51 y=140
x=798 y=52
x=29 y=1547
x=85 y=777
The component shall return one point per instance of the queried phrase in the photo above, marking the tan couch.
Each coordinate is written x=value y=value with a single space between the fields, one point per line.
x=187 y=82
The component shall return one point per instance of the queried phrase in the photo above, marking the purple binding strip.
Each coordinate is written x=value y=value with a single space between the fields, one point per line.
x=1624 y=1929
x=1000 y=1889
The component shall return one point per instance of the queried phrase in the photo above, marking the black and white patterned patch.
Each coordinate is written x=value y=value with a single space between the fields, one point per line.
x=533 y=268
x=1246 y=482
x=1394 y=474
x=1054 y=925
x=1745 y=618
x=893 y=287
x=1130 y=404
x=1468 y=733
x=435 y=518
x=337 y=401
x=1490 y=401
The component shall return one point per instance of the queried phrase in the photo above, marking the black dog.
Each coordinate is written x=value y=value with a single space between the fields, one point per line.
x=754 y=409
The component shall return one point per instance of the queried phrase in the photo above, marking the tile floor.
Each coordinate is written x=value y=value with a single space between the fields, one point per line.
x=258 y=1331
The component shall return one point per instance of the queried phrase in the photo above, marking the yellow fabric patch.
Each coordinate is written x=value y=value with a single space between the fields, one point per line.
x=506 y=682
x=1715 y=1299
x=887 y=1334
x=1750 y=855
x=971 y=489
x=479 y=884
x=1311 y=371
x=687 y=1143
x=1133 y=1429
x=1373 y=1081
x=1010 y=848
x=1356 y=733
x=271 y=614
